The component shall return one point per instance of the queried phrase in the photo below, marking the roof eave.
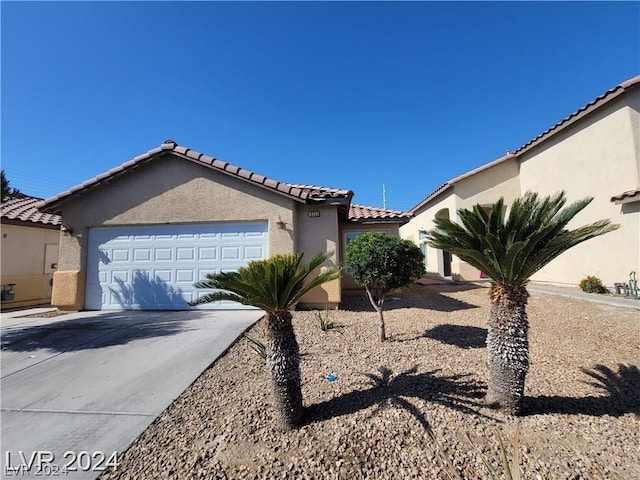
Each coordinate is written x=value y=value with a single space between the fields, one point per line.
x=52 y=204
x=575 y=117
x=626 y=199
x=292 y=192
x=381 y=221
x=432 y=196
x=30 y=224
x=341 y=201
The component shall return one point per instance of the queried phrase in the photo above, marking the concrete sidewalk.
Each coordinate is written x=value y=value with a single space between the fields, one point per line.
x=21 y=312
x=614 y=300
x=76 y=388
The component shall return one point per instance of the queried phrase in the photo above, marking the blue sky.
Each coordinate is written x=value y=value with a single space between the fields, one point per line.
x=340 y=94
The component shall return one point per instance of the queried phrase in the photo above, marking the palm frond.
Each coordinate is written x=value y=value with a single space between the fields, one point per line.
x=274 y=284
x=512 y=249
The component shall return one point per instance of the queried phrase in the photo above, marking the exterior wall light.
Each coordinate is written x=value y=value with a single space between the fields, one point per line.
x=66 y=229
x=281 y=225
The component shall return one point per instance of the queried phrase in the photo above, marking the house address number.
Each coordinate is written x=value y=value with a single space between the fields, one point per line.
x=314 y=213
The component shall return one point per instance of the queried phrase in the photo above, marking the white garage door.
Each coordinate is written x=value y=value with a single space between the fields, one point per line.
x=154 y=268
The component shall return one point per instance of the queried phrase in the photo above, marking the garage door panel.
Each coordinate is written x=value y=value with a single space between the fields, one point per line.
x=119 y=276
x=185 y=253
x=254 y=252
x=210 y=235
x=164 y=254
x=156 y=267
x=119 y=255
x=185 y=276
x=164 y=275
x=230 y=253
x=141 y=237
x=207 y=253
x=141 y=255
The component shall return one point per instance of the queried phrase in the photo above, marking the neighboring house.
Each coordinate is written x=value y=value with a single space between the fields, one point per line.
x=140 y=235
x=29 y=252
x=593 y=152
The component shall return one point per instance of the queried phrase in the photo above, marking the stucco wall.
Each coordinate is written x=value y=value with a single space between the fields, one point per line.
x=168 y=190
x=314 y=234
x=27 y=262
x=598 y=157
x=484 y=188
x=424 y=221
x=488 y=186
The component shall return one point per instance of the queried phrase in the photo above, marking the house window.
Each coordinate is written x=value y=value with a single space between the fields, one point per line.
x=423 y=248
x=348 y=238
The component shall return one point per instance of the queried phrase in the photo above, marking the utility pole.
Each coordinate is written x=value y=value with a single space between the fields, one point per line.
x=384 y=196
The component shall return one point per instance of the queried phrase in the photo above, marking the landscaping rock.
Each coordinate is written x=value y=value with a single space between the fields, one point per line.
x=377 y=420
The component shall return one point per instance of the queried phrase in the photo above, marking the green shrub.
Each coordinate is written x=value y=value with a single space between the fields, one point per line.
x=382 y=263
x=323 y=320
x=258 y=347
x=592 y=284
x=510 y=469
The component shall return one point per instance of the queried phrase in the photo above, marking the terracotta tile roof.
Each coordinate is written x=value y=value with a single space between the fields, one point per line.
x=321 y=193
x=362 y=214
x=308 y=194
x=302 y=193
x=627 y=197
x=595 y=104
x=434 y=194
x=22 y=210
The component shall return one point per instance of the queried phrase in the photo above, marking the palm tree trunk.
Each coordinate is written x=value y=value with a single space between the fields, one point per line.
x=283 y=360
x=507 y=346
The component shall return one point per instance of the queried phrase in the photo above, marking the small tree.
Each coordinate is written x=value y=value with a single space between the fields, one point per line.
x=7 y=191
x=275 y=285
x=510 y=249
x=381 y=263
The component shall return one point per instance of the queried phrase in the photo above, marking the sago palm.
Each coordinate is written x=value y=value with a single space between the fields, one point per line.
x=510 y=249
x=274 y=285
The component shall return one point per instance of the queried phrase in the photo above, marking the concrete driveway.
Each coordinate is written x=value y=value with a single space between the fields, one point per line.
x=79 y=387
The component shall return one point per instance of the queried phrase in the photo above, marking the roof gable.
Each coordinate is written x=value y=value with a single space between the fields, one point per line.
x=582 y=112
x=310 y=194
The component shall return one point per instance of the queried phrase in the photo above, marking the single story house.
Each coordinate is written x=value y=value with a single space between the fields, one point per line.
x=29 y=252
x=140 y=235
x=594 y=152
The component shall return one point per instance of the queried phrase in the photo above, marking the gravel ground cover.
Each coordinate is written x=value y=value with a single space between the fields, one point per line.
x=582 y=406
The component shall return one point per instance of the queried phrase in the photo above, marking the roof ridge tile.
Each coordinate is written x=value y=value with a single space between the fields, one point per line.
x=301 y=192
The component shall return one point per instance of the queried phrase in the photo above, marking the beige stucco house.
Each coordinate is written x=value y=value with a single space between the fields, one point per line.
x=29 y=249
x=140 y=235
x=595 y=152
